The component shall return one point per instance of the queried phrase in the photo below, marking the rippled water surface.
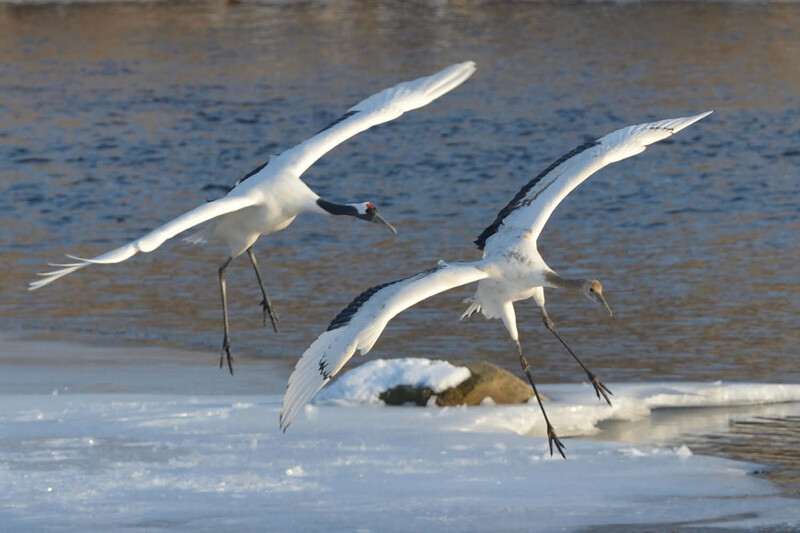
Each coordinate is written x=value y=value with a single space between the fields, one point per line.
x=115 y=118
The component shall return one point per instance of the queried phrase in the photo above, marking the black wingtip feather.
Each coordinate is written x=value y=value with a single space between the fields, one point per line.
x=338 y=120
x=518 y=200
x=250 y=174
x=344 y=316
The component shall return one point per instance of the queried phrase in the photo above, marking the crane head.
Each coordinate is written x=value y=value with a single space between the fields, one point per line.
x=367 y=211
x=594 y=291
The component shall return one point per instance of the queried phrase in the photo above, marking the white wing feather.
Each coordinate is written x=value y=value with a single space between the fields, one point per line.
x=360 y=324
x=152 y=240
x=529 y=211
x=379 y=108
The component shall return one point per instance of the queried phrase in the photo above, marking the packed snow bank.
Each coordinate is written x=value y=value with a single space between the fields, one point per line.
x=572 y=408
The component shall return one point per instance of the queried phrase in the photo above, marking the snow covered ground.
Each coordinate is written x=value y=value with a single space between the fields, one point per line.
x=141 y=461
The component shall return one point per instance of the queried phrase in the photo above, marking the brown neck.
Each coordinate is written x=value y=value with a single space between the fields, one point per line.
x=563 y=283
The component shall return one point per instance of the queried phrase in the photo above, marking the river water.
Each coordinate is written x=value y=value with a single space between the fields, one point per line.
x=115 y=118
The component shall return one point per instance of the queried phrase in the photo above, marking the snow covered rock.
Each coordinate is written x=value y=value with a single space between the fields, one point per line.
x=485 y=381
x=366 y=383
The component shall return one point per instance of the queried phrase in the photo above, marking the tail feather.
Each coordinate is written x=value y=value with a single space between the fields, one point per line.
x=199 y=237
x=474 y=307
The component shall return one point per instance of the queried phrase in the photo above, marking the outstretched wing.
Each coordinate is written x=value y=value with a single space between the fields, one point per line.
x=358 y=326
x=381 y=107
x=530 y=209
x=152 y=240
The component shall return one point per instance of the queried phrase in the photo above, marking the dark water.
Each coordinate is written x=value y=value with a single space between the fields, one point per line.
x=766 y=435
x=773 y=441
x=115 y=118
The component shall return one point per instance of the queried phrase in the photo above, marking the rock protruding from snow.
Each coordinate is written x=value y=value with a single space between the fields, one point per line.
x=485 y=381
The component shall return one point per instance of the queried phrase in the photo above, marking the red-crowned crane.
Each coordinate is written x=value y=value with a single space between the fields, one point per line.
x=270 y=197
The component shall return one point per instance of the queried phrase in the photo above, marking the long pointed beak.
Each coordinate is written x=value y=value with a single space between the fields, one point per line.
x=380 y=220
x=605 y=304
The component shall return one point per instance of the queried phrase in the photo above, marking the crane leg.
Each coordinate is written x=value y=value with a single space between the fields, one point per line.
x=266 y=305
x=599 y=387
x=552 y=438
x=226 y=341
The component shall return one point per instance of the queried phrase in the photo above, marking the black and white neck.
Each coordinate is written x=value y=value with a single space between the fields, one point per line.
x=363 y=211
x=339 y=209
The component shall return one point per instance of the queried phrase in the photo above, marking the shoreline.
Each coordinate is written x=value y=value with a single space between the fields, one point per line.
x=79 y=367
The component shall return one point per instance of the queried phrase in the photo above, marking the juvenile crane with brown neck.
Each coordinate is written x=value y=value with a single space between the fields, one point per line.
x=511 y=270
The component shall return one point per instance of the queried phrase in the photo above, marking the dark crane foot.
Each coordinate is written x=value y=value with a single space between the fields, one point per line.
x=552 y=439
x=600 y=388
x=266 y=311
x=226 y=353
